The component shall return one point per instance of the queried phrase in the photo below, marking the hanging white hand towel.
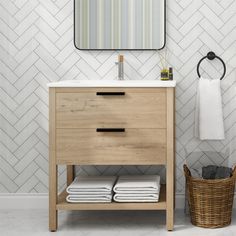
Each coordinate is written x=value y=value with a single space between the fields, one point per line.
x=209 y=123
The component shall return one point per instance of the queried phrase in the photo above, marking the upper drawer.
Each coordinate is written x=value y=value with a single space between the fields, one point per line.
x=137 y=108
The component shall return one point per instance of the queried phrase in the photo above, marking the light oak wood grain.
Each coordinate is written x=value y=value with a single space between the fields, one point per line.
x=133 y=110
x=52 y=164
x=133 y=147
x=147 y=114
x=170 y=159
x=70 y=174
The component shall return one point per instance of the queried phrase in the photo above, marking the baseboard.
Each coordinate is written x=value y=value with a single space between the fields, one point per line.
x=21 y=201
x=179 y=201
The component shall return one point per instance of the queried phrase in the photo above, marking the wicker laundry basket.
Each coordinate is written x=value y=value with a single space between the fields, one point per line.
x=210 y=201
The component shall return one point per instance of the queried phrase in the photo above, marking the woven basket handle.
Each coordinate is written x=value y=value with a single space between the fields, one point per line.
x=186 y=171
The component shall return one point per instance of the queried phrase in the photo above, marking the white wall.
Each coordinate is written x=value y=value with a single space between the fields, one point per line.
x=36 y=46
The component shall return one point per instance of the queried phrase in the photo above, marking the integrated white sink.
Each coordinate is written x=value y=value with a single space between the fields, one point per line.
x=113 y=83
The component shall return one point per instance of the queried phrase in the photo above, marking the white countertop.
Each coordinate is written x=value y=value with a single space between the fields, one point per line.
x=113 y=83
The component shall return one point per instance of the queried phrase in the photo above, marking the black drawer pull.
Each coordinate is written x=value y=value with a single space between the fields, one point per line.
x=110 y=93
x=110 y=130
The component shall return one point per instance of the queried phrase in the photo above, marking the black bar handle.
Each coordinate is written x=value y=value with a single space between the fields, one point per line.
x=110 y=130
x=110 y=93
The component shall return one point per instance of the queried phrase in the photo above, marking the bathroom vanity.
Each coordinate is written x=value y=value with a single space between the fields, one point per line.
x=111 y=123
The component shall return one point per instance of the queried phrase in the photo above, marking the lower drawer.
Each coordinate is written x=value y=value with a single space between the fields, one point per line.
x=132 y=147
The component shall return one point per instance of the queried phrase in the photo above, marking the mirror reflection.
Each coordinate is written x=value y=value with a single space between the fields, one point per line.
x=119 y=24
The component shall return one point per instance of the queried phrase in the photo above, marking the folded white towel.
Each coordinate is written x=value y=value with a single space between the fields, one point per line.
x=92 y=193
x=209 y=124
x=88 y=198
x=92 y=184
x=138 y=184
x=151 y=197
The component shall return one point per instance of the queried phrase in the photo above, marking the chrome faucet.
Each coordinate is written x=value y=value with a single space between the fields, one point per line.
x=120 y=64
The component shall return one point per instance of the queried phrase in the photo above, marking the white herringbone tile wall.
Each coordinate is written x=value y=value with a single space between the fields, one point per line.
x=36 y=47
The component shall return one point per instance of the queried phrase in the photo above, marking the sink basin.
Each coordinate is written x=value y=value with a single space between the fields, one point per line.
x=113 y=83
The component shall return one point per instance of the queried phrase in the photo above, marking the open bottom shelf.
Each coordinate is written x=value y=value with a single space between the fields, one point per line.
x=161 y=205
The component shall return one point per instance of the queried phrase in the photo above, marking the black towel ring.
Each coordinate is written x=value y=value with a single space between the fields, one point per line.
x=211 y=56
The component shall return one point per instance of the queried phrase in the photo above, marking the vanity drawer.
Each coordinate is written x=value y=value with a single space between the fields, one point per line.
x=131 y=147
x=128 y=108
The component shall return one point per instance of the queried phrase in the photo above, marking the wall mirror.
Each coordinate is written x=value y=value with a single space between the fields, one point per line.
x=119 y=24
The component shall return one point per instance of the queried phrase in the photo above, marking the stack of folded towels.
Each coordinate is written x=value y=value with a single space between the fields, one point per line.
x=91 y=189
x=144 y=188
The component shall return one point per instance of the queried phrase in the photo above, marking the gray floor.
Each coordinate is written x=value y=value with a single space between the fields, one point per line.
x=103 y=223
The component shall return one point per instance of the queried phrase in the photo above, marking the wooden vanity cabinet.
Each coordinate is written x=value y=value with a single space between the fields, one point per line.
x=111 y=126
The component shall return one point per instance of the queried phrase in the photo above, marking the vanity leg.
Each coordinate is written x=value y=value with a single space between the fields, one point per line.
x=53 y=169
x=170 y=216
x=70 y=174
x=170 y=194
x=53 y=198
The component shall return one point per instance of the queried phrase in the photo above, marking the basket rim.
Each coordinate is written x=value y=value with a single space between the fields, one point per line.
x=197 y=179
